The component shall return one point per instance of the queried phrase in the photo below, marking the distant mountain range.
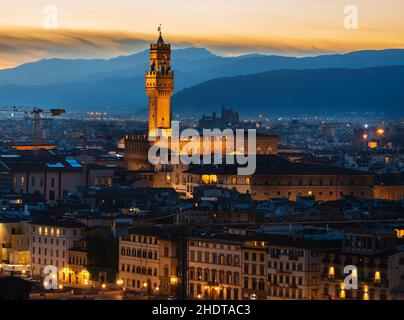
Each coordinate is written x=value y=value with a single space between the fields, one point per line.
x=298 y=92
x=118 y=84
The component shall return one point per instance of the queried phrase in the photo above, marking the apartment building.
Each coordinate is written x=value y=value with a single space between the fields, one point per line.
x=275 y=177
x=14 y=243
x=149 y=260
x=50 y=242
x=379 y=263
x=254 y=261
x=53 y=177
x=215 y=267
x=294 y=267
x=77 y=273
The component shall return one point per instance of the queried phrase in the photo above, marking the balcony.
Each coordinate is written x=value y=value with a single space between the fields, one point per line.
x=283 y=271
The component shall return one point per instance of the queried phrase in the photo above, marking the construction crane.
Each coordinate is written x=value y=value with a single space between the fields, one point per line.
x=84 y=138
x=36 y=112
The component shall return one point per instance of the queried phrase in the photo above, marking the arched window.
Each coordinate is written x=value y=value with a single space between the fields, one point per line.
x=247 y=181
x=166 y=271
x=192 y=274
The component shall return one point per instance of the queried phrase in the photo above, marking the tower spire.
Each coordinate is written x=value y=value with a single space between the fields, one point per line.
x=160 y=39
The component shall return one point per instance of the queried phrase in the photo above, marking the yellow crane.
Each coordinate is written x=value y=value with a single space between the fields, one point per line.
x=36 y=112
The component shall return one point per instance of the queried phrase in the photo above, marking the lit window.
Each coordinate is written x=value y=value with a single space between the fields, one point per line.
x=57 y=232
x=400 y=233
x=40 y=231
x=248 y=181
x=234 y=180
x=52 y=232
x=46 y=231
x=365 y=293
x=205 y=179
x=377 y=276
x=331 y=272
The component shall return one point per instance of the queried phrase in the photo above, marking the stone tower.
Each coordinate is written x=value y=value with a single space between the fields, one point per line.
x=159 y=87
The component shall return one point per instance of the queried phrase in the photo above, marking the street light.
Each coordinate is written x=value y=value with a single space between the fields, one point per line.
x=380 y=132
x=119 y=282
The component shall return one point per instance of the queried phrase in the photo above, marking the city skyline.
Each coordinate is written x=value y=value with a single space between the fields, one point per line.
x=88 y=214
x=108 y=29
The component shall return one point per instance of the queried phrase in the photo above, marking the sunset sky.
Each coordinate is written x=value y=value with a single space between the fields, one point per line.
x=107 y=28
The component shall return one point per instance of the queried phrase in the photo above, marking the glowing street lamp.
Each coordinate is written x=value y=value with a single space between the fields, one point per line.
x=156 y=290
x=103 y=286
x=380 y=132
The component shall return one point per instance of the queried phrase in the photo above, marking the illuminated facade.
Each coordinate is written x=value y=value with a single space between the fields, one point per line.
x=275 y=177
x=50 y=245
x=148 y=262
x=380 y=267
x=14 y=245
x=159 y=82
x=215 y=269
x=159 y=86
x=77 y=273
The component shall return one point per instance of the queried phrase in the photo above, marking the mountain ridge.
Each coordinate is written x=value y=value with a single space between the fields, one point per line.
x=280 y=92
x=38 y=82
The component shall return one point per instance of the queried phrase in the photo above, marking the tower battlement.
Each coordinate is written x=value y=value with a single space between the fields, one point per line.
x=135 y=138
x=160 y=46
